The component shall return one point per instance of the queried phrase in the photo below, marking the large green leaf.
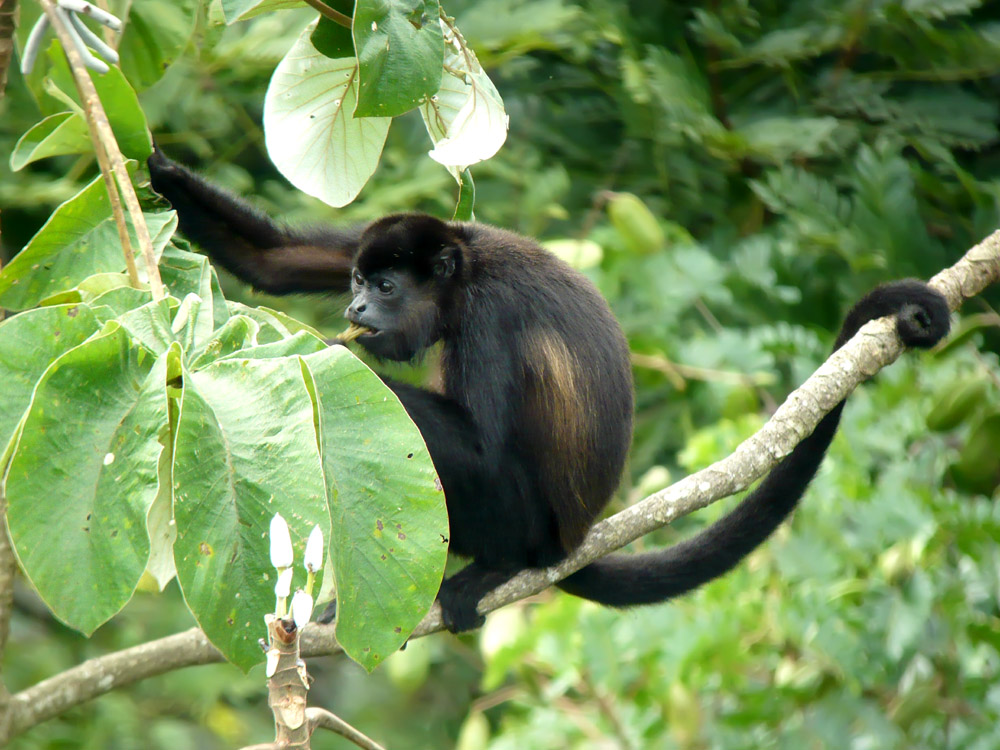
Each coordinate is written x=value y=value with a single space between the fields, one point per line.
x=83 y=475
x=390 y=526
x=29 y=342
x=312 y=134
x=78 y=241
x=246 y=449
x=63 y=133
x=400 y=49
x=155 y=35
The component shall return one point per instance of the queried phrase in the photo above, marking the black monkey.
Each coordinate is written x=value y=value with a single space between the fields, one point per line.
x=531 y=431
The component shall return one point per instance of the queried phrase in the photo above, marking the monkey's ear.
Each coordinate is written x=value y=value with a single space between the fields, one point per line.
x=444 y=262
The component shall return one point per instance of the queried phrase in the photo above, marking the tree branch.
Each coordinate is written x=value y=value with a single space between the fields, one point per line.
x=320 y=717
x=98 y=676
x=875 y=346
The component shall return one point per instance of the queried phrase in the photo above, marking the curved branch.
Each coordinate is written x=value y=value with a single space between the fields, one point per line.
x=321 y=718
x=100 y=675
x=874 y=347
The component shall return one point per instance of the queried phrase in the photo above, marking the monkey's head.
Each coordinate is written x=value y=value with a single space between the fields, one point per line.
x=405 y=270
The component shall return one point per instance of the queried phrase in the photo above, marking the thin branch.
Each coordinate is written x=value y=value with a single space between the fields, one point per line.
x=110 y=158
x=327 y=12
x=320 y=717
x=875 y=346
x=678 y=373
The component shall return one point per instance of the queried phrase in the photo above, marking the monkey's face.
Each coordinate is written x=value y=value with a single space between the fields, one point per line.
x=401 y=313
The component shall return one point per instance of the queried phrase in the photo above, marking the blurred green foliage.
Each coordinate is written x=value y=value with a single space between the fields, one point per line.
x=792 y=154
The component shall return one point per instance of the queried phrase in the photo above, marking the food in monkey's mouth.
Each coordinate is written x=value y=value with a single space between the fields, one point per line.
x=353 y=331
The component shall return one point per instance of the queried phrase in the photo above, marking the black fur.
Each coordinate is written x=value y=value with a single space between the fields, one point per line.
x=531 y=432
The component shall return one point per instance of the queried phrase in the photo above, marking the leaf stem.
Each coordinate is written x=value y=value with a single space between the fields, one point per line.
x=327 y=12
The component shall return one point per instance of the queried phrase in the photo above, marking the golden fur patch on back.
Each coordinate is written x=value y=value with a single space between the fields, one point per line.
x=555 y=384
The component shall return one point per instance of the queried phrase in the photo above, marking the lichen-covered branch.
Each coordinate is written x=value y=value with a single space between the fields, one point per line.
x=96 y=677
x=874 y=347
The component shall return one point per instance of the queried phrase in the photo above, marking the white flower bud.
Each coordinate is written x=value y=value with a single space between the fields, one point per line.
x=314 y=550
x=302 y=608
x=284 y=585
x=281 y=543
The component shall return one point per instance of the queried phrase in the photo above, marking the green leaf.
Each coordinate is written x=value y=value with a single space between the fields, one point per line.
x=186 y=273
x=240 y=10
x=78 y=241
x=466 y=203
x=400 y=48
x=92 y=287
x=235 y=335
x=783 y=138
x=156 y=34
x=193 y=320
x=64 y=133
x=160 y=518
x=293 y=325
x=272 y=327
x=119 y=300
x=29 y=342
x=83 y=475
x=302 y=342
x=978 y=466
x=128 y=122
x=389 y=535
x=231 y=475
x=640 y=230
x=149 y=324
x=312 y=136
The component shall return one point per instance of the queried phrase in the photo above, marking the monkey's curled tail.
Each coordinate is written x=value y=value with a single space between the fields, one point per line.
x=922 y=319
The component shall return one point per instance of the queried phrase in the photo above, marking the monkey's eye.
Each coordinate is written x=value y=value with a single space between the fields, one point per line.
x=358 y=278
x=386 y=287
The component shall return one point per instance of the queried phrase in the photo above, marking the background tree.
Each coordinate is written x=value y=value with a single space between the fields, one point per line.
x=783 y=159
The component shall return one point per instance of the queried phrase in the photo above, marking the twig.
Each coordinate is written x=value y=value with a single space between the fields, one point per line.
x=678 y=372
x=110 y=158
x=874 y=347
x=320 y=717
x=327 y=12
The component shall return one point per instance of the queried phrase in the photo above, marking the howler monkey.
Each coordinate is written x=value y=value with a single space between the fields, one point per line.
x=531 y=430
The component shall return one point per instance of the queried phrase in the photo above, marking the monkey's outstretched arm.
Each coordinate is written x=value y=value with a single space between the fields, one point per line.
x=249 y=244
